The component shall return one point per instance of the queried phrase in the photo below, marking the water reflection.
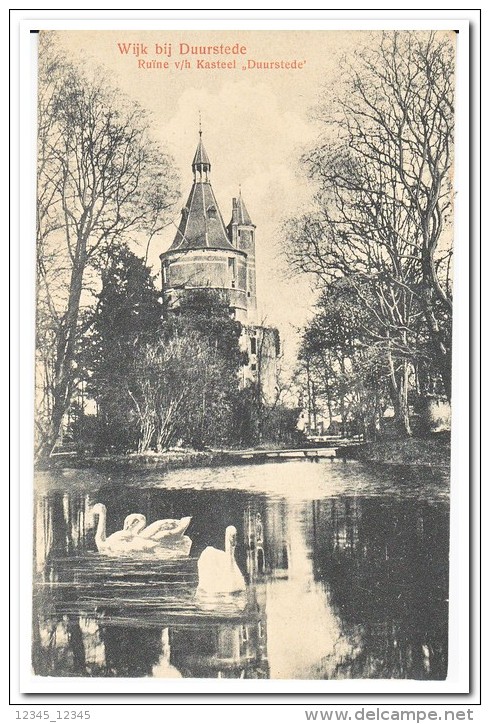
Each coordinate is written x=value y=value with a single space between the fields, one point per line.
x=337 y=587
x=394 y=556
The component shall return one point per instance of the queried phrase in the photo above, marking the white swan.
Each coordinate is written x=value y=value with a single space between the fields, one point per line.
x=161 y=530
x=122 y=541
x=133 y=523
x=132 y=539
x=218 y=570
x=168 y=533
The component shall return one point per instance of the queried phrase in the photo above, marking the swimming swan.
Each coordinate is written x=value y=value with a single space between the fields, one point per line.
x=122 y=541
x=161 y=530
x=218 y=570
x=132 y=539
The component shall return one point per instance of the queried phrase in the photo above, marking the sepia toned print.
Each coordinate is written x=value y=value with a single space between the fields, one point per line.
x=243 y=354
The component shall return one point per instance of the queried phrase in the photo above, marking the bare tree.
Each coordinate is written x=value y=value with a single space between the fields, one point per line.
x=177 y=391
x=101 y=180
x=383 y=209
x=347 y=368
x=400 y=117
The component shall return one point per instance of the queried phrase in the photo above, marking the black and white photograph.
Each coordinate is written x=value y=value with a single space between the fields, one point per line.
x=245 y=257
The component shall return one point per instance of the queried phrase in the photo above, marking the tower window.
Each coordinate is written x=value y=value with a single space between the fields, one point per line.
x=211 y=210
x=253 y=367
x=232 y=271
x=253 y=345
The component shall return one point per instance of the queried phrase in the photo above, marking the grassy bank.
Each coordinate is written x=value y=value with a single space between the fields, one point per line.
x=168 y=460
x=413 y=451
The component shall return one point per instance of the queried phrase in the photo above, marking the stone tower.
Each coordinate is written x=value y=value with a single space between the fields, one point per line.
x=207 y=255
x=203 y=255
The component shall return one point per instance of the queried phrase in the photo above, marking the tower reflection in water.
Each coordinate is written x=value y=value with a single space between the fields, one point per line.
x=105 y=645
x=337 y=588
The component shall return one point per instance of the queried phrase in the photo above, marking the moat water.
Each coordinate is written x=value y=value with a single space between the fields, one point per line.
x=346 y=570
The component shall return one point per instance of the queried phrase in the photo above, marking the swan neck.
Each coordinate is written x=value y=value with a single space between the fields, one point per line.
x=230 y=549
x=100 y=534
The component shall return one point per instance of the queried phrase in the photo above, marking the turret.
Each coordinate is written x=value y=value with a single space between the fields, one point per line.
x=241 y=232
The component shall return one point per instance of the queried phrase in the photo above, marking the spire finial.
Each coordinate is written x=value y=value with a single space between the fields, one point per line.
x=200 y=129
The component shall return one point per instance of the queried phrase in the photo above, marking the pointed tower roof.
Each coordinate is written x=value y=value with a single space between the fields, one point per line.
x=201 y=158
x=201 y=225
x=239 y=214
x=243 y=217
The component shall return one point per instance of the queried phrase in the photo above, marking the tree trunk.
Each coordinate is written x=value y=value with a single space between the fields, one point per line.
x=399 y=394
x=343 y=414
x=147 y=430
x=442 y=351
x=65 y=351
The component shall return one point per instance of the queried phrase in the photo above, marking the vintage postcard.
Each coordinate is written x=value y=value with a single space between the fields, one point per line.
x=244 y=359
